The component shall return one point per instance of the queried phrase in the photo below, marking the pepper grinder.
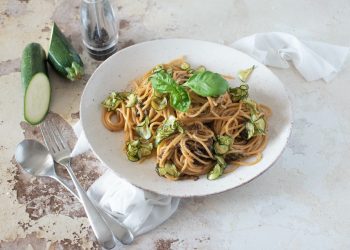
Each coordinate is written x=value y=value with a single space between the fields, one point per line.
x=99 y=28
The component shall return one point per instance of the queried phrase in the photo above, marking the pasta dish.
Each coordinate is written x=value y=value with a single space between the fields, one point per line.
x=190 y=120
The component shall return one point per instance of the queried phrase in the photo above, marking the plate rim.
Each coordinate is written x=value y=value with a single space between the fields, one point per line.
x=285 y=143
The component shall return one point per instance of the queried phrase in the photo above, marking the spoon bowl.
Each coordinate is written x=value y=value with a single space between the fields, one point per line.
x=34 y=158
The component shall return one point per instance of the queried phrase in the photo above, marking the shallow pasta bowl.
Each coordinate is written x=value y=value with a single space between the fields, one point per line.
x=116 y=74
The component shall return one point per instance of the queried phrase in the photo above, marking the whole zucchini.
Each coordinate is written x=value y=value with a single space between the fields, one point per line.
x=63 y=57
x=35 y=82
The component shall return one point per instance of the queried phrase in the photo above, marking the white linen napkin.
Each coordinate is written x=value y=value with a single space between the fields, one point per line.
x=142 y=210
x=314 y=60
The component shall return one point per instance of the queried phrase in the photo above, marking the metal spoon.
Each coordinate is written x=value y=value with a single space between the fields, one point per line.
x=36 y=160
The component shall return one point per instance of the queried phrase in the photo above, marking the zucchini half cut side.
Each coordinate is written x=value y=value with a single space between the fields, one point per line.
x=37 y=99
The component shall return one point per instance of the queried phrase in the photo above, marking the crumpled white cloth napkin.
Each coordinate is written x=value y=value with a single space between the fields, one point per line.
x=314 y=60
x=142 y=210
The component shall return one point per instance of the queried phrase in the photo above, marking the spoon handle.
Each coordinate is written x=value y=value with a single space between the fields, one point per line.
x=118 y=230
x=67 y=186
x=103 y=233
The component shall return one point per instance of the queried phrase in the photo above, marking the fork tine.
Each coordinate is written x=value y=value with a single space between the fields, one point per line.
x=47 y=138
x=59 y=136
x=52 y=135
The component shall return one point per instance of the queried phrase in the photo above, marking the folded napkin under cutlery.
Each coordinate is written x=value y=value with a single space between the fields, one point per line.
x=141 y=210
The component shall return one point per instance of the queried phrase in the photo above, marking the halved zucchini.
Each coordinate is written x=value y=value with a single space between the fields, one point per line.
x=63 y=57
x=36 y=84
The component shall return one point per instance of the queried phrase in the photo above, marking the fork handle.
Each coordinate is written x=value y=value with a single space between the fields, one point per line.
x=103 y=234
x=119 y=231
x=67 y=186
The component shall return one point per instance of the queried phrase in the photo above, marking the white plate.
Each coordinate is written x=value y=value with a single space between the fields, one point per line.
x=121 y=68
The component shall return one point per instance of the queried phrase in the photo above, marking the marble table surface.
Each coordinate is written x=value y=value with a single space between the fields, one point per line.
x=302 y=202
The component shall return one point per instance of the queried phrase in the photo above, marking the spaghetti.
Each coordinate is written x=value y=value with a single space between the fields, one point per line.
x=213 y=136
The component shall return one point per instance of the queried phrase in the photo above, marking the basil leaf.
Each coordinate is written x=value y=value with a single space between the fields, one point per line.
x=169 y=127
x=143 y=129
x=179 y=98
x=207 y=83
x=162 y=82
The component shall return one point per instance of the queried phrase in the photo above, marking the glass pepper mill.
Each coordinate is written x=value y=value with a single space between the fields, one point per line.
x=99 y=28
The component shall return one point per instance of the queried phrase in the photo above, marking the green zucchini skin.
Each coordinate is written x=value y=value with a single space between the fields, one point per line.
x=63 y=57
x=33 y=61
x=34 y=69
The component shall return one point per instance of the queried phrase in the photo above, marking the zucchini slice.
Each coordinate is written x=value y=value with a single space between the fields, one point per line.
x=36 y=84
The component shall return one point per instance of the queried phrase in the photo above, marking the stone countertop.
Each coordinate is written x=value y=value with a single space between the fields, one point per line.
x=302 y=202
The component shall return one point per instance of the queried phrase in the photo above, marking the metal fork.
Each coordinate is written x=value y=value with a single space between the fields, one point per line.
x=60 y=151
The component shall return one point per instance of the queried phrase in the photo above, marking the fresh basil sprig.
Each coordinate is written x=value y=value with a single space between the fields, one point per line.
x=165 y=84
x=169 y=127
x=207 y=83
